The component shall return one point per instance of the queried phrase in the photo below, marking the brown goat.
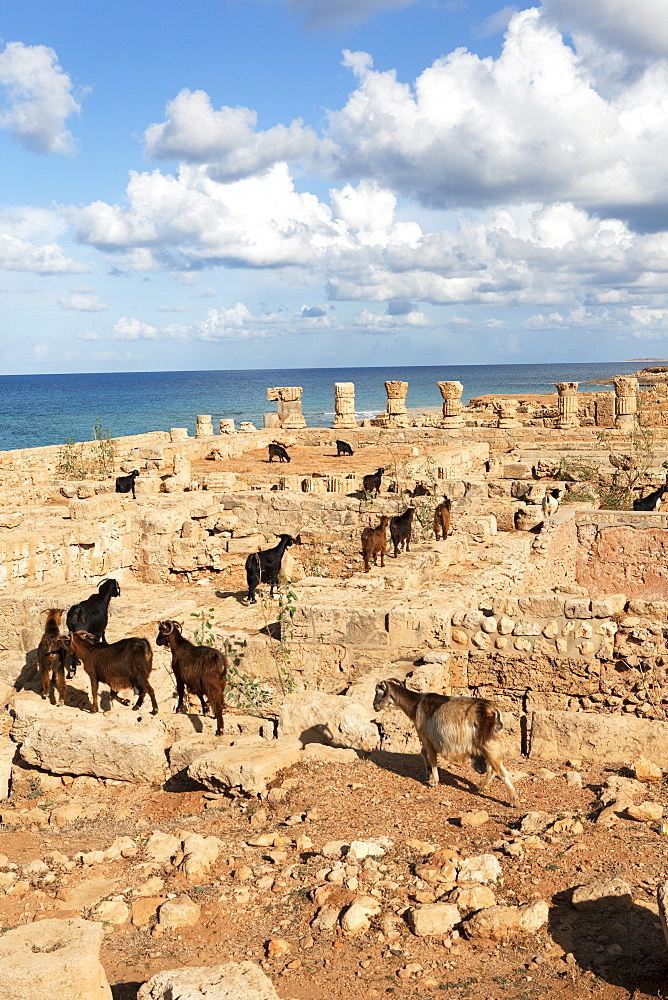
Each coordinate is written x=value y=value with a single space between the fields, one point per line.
x=452 y=727
x=201 y=670
x=51 y=655
x=374 y=541
x=442 y=518
x=123 y=664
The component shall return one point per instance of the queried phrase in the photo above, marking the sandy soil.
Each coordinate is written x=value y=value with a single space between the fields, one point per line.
x=605 y=955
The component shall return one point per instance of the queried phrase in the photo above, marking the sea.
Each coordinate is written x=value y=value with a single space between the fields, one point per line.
x=48 y=409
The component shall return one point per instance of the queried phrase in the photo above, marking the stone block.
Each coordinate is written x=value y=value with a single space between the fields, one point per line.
x=611 y=738
x=246 y=543
x=228 y=981
x=248 y=765
x=607 y=606
x=577 y=607
x=516 y=470
x=433 y=919
x=611 y=895
x=67 y=741
x=53 y=960
x=94 y=508
x=316 y=717
x=542 y=605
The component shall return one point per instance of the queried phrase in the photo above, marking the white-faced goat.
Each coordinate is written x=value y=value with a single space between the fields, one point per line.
x=371 y=483
x=126 y=484
x=92 y=614
x=51 y=655
x=401 y=528
x=121 y=665
x=374 y=542
x=263 y=567
x=442 y=518
x=452 y=727
x=200 y=670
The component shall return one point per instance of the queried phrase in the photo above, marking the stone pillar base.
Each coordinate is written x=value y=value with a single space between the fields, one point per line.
x=452 y=421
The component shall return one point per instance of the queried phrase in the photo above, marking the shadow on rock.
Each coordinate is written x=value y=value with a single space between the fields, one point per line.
x=620 y=941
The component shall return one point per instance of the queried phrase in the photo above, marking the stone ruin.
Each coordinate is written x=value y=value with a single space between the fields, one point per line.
x=290 y=416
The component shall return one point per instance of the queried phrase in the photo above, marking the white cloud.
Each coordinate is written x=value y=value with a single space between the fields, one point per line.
x=20 y=255
x=114 y=356
x=83 y=303
x=389 y=322
x=226 y=139
x=41 y=350
x=132 y=329
x=39 y=98
x=635 y=27
x=528 y=125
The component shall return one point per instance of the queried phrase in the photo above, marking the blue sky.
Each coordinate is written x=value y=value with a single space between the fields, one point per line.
x=195 y=184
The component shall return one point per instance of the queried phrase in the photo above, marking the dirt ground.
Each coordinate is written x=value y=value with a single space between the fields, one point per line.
x=253 y=894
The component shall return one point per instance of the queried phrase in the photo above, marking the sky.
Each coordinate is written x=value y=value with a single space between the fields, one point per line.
x=238 y=184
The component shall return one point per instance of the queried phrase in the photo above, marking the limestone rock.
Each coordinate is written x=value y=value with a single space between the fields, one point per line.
x=248 y=765
x=611 y=738
x=113 y=912
x=53 y=960
x=476 y=818
x=482 y=868
x=355 y=920
x=318 y=717
x=471 y=898
x=646 y=770
x=179 y=912
x=646 y=812
x=499 y=922
x=228 y=981
x=68 y=741
x=162 y=847
x=603 y=896
x=433 y=919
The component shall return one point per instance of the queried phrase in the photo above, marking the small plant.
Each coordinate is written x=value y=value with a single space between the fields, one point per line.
x=35 y=789
x=242 y=692
x=70 y=461
x=287 y=605
x=104 y=452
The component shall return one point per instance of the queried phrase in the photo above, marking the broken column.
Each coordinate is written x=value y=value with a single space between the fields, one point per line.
x=227 y=425
x=452 y=403
x=344 y=406
x=506 y=413
x=396 y=403
x=568 y=405
x=626 y=401
x=289 y=399
x=204 y=427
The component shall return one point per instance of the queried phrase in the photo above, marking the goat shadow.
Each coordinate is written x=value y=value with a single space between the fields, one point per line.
x=125 y=991
x=623 y=947
x=411 y=765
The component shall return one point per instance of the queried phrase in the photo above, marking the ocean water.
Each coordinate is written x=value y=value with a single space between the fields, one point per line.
x=46 y=409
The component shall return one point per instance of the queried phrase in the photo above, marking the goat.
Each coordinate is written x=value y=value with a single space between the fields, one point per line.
x=51 y=655
x=374 y=541
x=652 y=501
x=451 y=727
x=92 y=614
x=401 y=528
x=123 y=664
x=343 y=448
x=201 y=670
x=550 y=502
x=279 y=452
x=442 y=518
x=125 y=484
x=371 y=483
x=421 y=491
x=263 y=567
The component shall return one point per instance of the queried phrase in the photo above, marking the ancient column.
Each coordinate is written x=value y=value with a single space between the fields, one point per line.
x=227 y=425
x=568 y=405
x=344 y=406
x=506 y=413
x=452 y=403
x=396 y=404
x=289 y=399
x=204 y=427
x=626 y=401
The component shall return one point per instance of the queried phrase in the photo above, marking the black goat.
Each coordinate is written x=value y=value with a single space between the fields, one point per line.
x=263 y=567
x=121 y=665
x=343 y=448
x=421 y=491
x=371 y=483
x=652 y=501
x=51 y=655
x=126 y=484
x=201 y=670
x=92 y=614
x=279 y=452
x=401 y=528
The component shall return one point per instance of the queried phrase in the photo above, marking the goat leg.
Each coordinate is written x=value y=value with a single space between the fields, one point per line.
x=116 y=697
x=430 y=758
x=180 y=690
x=203 y=703
x=93 y=692
x=495 y=767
